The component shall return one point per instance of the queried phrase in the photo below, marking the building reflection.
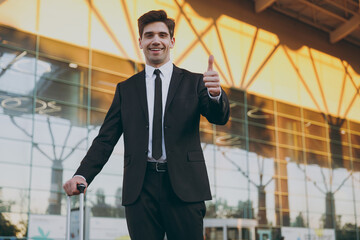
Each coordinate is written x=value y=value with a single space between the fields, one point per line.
x=274 y=165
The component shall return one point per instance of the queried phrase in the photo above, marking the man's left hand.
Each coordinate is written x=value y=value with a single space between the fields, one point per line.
x=212 y=79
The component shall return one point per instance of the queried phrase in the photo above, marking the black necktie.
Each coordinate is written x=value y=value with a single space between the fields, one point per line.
x=157 y=120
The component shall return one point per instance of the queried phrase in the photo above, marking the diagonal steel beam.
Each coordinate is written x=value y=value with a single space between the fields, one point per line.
x=253 y=77
x=107 y=28
x=307 y=88
x=221 y=73
x=345 y=29
x=261 y=5
x=131 y=30
x=318 y=82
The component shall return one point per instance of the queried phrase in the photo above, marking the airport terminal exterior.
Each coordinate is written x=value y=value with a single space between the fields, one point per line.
x=286 y=164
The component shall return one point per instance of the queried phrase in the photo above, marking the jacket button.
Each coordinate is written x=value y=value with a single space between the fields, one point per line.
x=147 y=126
x=146 y=152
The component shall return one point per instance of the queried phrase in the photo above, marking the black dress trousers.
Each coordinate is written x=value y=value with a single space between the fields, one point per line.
x=158 y=211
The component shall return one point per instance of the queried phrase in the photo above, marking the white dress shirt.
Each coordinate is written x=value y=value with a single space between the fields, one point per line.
x=166 y=73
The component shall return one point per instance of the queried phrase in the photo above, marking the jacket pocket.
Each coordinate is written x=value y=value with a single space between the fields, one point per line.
x=196 y=156
x=127 y=160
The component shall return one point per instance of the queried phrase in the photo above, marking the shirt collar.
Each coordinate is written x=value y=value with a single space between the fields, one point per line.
x=165 y=69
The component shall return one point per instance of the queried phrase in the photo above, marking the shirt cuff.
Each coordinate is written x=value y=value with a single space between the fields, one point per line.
x=80 y=176
x=216 y=99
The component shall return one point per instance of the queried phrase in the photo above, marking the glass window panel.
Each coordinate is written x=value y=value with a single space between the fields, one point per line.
x=290 y=139
x=256 y=115
x=230 y=159
x=291 y=155
x=55 y=70
x=115 y=165
x=43 y=155
x=16 y=127
x=9 y=175
x=61 y=91
x=289 y=124
x=338 y=134
x=233 y=202
x=237 y=111
x=232 y=127
x=262 y=149
x=261 y=133
x=339 y=150
x=205 y=125
x=214 y=233
x=315 y=144
x=15 y=151
x=317 y=180
x=17 y=74
x=65 y=134
x=230 y=178
x=40 y=201
x=14 y=200
x=65 y=112
x=313 y=116
x=356 y=165
x=315 y=130
x=206 y=136
x=261 y=169
x=105 y=81
x=114 y=64
x=298 y=218
x=316 y=220
x=260 y=102
x=290 y=110
x=102 y=205
x=355 y=139
x=15 y=38
x=20 y=106
x=61 y=50
x=42 y=177
x=355 y=126
x=102 y=181
x=356 y=153
x=317 y=159
x=101 y=100
x=17 y=220
x=97 y=117
x=356 y=182
x=235 y=95
x=230 y=140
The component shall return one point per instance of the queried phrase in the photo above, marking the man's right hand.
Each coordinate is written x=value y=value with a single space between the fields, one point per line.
x=70 y=186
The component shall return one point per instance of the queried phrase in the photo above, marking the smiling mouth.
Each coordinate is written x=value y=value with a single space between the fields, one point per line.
x=156 y=49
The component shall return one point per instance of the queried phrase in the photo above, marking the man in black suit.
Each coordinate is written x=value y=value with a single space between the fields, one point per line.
x=158 y=112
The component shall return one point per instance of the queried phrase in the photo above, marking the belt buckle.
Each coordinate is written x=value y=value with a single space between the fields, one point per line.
x=157 y=168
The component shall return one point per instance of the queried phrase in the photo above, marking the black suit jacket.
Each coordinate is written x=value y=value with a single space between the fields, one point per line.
x=128 y=115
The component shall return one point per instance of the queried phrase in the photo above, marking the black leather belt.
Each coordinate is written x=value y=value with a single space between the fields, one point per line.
x=157 y=166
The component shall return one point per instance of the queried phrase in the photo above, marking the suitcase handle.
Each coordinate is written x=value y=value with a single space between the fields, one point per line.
x=81 y=187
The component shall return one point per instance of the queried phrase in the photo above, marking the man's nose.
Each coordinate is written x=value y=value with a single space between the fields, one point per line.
x=156 y=40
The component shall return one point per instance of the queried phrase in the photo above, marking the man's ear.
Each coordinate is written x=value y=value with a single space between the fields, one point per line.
x=172 y=42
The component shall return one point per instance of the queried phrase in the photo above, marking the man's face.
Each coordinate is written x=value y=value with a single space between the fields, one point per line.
x=156 y=44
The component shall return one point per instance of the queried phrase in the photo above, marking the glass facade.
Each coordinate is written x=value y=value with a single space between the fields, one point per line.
x=275 y=166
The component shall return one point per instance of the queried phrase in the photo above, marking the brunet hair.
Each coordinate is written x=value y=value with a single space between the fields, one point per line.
x=156 y=16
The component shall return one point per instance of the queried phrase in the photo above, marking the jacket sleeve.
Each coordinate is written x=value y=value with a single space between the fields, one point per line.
x=216 y=112
x=103 y=144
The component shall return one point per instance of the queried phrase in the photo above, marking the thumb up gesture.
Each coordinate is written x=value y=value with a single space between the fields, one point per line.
x=211 y=79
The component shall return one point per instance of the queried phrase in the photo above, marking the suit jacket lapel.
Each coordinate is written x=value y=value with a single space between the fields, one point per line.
x=174 y=83
x=141 y=85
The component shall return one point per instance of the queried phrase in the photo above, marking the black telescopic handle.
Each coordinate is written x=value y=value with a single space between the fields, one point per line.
x=81 y=187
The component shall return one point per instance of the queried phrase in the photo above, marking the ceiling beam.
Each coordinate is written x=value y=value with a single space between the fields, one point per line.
x=345 y=29
x=261 y=5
